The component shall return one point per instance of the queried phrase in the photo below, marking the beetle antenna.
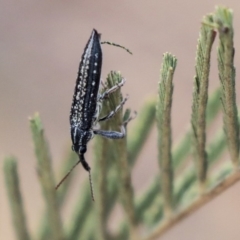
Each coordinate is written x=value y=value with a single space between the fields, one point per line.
x=66 y=176
x=87 y=168
x=117 y=45
x=91 y=185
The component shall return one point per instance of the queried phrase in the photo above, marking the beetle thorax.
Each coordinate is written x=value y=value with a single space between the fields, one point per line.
x=80 y=138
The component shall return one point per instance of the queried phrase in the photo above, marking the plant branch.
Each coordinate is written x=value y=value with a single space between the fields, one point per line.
x=15 y=198
x=200 y=96
x=124 y=170
x=164 y=129
x=61 y=192
x=46 y=178
x=223 y=19
x=201 y=201
x=149 y=197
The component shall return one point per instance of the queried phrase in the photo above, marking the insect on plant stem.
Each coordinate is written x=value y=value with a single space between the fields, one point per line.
x=87 y=103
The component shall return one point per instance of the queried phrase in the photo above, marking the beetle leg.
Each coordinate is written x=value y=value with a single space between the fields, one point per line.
x=112 y=113
x=114 y=134
x=111 y=90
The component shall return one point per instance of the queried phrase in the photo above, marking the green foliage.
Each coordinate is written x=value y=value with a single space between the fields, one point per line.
x=14 y=195
x=173 y=192
x=163 y=116
x=200 y=95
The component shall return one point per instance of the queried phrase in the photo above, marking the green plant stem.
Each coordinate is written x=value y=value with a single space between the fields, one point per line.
x=88 y=232
x=81 y=212
x=15 y=198
x=188 y=178
x=164 y=130
x=62 y=192
x=126 y=190
x=223 y=19
x=194 y=206
x=182 y=149
x=100 y=173
x=200 y=96
x=124 y=173
x=101 y=187
x=213 y=106
x=148 y=201
x=46 y=178
x=137 y=135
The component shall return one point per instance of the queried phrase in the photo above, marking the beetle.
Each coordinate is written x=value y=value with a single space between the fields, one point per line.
x=87 y=103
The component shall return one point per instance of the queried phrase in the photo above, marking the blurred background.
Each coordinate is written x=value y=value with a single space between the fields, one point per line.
x=41 y=44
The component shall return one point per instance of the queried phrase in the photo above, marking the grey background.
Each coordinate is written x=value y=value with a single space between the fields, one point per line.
x=41 y=43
